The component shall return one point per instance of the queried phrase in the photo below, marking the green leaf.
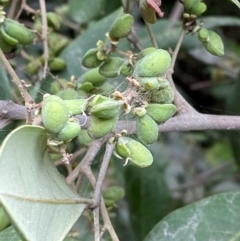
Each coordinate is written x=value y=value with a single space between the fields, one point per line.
x=147 y=195
x=85 y=11
x=9 y=234
x=214 y=218
x=5 y=90
x=33 y=193
x=74 y=52
x=236 y=2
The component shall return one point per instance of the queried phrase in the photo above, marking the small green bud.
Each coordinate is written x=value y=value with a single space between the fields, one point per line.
x=58 y=85
x=57 y=64
x=32 y=67
x=90 y=59
x=54 y=20
x=161 y=112
x=147 y=129
x=154 y=64
x=101 y=127
x=139 y=111
x=110 y=68
x=199 y=8
x=57 y=42
x=77 y=106
x=212 y=43
x=69 y=131
x=133 y=150
x=163 y=96
x=92 y=76
x=126 y=69
x=188 y=5
x=113 y=193
x=87 y=87
x=55 y=114
x=121 y=27
x=149 y=83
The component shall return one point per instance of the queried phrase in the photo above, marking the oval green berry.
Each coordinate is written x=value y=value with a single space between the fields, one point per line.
x=149 y=83
x=147 y=129
x=54 y=20
x=121 y=27
x=18 y=31
x=154 y=64
x=68 y=94
x=136 y=152
x=90 y=59
x=69 y=131
x=57 y=64
x=161 y=112
x=163 y=96
x=199 y=8
x=101 y=127
x=110 y=68
x=83 y=138
x=113 y=193
x=55 y=114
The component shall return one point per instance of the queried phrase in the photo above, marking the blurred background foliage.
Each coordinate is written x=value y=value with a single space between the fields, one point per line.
x=187 y=166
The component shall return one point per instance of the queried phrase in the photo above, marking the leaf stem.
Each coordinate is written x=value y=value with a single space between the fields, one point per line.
x=151 y=35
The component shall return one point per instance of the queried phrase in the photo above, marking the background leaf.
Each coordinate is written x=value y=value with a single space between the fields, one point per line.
x=38 y=200
x=213 y=218
x=5 y=89
x=10 y=234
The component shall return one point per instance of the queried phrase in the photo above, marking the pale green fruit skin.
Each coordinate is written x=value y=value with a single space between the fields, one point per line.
x=69 y=131
x=101 y=127
x=113 y=193
x=163 y=96
x=129 y=148
x=54 y=20
x=68 y=94
x=147 y=129
x=98 y=99
x=110 y=68
x=32 y=67
x=154 y=64
x=213 y=44
x=126 y=69
x=83 y=138
x=121 y=27
x=5 y=47
x=107 y=109
x=145 y=52
x=188 y=5
x=92 y=76
x=57 y=64
x=55 y=87
x=55 y=114
x=199 y=8
x=77 y=106
x=90 y=59
x=87 y=87
x=203 y=35
x=149 y=83
x=57 y=42
x=161 y=112
x=18 y=31
x=4 y=220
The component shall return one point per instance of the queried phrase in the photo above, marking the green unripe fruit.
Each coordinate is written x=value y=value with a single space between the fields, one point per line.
x=57 y=42
x=188 y=5
x=110 y=68
x=121 y=27
x=145 y=52
x=4 y=220
x=5 y=47
x=163 y=96
x=98 y=99
x=69 y=131
x=68 y=94
x=32 y=67
x=163 y=82
x=77 y=106
x=54 y=20
x=57 y=64
x=149 y=83
x=83 y=138
x=161 y=112
x=147 y=129
x=109 y=203
x=90 y=59
x=93 y=76
x=126 y=69
x=55 y=114
x=58 y=85
x=211 y=41
x=198 y=9
x=107 y=109
x=87 y=87
x=18 y=31
x=136 y=152
x=113 y=193
x=154 y=64
x=101 y=127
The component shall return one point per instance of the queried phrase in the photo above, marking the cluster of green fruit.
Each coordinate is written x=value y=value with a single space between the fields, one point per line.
x=13 y=35
x=194 y=8
x=56 y=43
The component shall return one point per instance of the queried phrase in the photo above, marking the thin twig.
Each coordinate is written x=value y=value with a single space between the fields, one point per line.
x=151 y=35
x=102 y=173
x=44 y=37
x=96 y=224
